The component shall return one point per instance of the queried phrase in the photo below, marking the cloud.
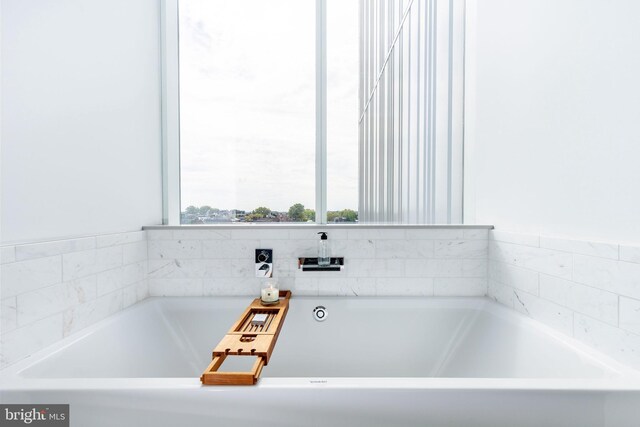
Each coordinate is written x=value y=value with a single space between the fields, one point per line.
x=247 y=104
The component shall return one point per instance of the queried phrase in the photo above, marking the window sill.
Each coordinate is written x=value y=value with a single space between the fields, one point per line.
x=315 y=225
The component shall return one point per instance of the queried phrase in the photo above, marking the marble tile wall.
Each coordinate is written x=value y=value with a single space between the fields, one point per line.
x=589 y=290
x=51 y=289
x=400 y=261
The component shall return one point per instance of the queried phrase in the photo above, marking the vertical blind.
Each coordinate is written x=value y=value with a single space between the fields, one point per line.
x=411 y=111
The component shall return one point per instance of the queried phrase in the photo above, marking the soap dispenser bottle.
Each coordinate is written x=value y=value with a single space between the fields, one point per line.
x=323 y=250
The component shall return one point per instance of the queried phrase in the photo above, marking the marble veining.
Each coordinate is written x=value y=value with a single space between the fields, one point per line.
x=589 y=290
x=51 y=289
x=378 y=261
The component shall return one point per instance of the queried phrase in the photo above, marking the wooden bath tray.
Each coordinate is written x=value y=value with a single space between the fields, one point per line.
x=247 y=339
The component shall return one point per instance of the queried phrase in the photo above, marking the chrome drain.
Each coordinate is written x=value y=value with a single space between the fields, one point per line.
x=320 y=313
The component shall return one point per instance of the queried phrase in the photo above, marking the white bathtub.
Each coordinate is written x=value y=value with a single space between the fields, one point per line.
x=373 y=362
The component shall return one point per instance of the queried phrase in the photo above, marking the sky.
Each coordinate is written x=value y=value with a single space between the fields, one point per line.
x=247 y=103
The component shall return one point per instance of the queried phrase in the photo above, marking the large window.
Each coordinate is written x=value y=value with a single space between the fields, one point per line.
x=248 y=111
x=318 y=111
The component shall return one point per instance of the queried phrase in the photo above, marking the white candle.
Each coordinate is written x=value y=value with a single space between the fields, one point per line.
x=269 y=294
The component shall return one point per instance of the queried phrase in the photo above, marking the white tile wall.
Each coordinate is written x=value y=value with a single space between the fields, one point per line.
x=50 y=289
x=590 y=290
x=378 y=261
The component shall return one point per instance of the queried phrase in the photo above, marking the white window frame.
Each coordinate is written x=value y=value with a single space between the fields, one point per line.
x=170 y=106
x=170 y=110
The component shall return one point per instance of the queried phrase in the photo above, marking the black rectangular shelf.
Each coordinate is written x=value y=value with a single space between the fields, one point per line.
x=311 y=264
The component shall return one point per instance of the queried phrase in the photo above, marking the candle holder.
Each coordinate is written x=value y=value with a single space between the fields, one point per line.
x=269 y=294
x=269 y=304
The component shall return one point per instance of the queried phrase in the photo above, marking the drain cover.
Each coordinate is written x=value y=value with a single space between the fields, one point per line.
x=320 y=313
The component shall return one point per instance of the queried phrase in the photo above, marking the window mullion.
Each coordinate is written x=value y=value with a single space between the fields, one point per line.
x=170 y=113
x=321 y=112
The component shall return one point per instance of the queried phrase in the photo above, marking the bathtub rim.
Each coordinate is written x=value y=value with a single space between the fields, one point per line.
x=387 y=383
x=629 y=380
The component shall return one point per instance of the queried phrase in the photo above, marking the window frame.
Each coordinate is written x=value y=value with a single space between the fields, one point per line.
x=170 y=111
x=464 y=192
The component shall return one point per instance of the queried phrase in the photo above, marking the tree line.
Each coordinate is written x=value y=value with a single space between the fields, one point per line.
x=297 y=213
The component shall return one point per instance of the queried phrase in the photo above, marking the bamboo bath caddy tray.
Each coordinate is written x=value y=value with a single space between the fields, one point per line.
x=247 y=339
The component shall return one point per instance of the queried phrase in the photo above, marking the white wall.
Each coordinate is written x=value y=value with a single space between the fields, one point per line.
x=80 y=117
x=553 y=127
